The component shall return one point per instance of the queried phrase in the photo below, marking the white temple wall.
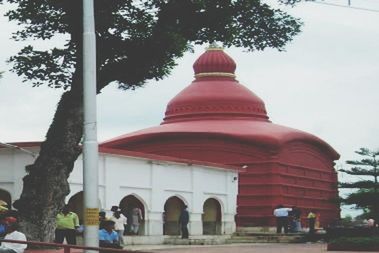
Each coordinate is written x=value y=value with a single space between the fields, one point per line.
x=152 y=182
x=12 y=170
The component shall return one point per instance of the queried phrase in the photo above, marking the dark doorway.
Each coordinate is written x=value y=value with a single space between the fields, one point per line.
x=127 y=204
x=211 y=217
x=172 y=209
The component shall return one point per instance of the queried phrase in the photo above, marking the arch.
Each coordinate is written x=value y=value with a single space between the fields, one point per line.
x=172 y=208
x=211 y=217
x=6 y=197
x=76 y=205
x=127 y=204
x=219 y=200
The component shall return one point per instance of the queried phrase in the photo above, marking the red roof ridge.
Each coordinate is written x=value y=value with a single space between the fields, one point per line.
x=163 y=158
x=24 y=144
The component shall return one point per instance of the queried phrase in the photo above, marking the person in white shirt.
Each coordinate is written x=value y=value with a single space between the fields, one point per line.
x=13 y=234
x=119 y=224
x=281 y=214
x=371 y=223
x=136 y=220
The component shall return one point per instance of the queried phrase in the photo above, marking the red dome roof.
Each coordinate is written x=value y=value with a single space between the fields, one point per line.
x=216 y=104
x=215 y=93
x=214 y=62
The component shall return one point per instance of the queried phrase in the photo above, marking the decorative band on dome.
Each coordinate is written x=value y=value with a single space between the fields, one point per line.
x=222 y=74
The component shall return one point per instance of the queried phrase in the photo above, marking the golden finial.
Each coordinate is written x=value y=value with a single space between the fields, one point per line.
x=214 y=46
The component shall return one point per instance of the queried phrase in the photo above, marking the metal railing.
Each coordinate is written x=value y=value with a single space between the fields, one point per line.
x=67 y=247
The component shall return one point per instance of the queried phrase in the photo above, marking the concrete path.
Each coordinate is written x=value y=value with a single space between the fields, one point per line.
x=238 y=248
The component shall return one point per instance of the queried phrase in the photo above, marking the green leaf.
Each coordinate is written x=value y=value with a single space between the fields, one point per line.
x=140 y=40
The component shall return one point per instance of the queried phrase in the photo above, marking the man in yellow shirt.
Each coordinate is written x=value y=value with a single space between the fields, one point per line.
x=67 y=223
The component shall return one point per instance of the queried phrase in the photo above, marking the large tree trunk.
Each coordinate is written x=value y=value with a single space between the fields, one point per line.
x=45 y=185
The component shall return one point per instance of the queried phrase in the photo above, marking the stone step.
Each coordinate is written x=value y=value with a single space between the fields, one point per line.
x=268 y=239
x=265 y=234
x=217 y=240
x=255 y=229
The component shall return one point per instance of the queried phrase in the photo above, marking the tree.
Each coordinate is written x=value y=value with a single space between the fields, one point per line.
x=136 y=41
x=367 y=168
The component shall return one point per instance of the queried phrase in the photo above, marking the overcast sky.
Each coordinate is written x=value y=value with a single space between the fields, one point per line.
x=326 y=83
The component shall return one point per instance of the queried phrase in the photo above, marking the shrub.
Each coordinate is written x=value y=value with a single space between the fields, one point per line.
x=354 y=243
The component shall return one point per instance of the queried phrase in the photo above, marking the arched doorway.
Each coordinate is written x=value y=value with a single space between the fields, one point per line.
x=172 y=209
x=76 y=205
x=211 y=217
x=127 y=204
x=6 y=197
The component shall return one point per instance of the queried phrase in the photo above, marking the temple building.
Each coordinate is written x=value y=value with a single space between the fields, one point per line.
x=215 y=151
x=218 y=120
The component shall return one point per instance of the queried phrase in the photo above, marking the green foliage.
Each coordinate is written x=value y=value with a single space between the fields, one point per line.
x=347 y=221
x=367 y=195
x=140 y=40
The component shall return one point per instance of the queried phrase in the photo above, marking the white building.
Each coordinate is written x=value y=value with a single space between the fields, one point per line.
x=160 y=186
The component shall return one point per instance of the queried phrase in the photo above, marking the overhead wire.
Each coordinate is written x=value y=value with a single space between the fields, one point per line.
x=346 y=6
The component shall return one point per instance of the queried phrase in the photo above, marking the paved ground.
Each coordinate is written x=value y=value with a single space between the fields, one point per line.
x=229 y=248
x=239 y=248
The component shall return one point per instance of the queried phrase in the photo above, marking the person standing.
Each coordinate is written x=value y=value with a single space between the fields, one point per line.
x=281 y=214
x=311 y=221
x=371 y=223
x=183 y=222
x=67 y=223
x=102 y=219
x=120 y=222
x=12 y=234
x=296 y=219
x=136 y=219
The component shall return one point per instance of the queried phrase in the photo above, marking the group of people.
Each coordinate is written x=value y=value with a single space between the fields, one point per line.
x=289 y=219
x=8 y=231
x=118 y=223
x=111 y=229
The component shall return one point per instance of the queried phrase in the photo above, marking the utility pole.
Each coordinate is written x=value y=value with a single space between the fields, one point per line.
x=90 y=145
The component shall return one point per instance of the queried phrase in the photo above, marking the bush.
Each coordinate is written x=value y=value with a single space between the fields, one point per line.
x=337 y=232
x=355 y=243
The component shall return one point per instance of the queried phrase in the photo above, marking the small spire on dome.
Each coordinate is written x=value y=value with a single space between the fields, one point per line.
x=214 y=46
x=214 y=62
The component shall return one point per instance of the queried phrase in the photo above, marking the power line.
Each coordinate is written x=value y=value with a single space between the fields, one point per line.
x=346 y=6
x=7 y=145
